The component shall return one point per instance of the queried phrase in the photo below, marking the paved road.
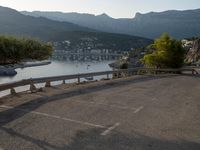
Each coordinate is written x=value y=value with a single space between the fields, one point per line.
x=137 y=113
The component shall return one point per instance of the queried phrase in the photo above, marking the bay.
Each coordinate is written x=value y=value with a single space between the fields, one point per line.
x=56 y=68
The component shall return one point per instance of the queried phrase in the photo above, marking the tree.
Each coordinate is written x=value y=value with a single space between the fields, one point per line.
x=167 y=53
x=14 y=50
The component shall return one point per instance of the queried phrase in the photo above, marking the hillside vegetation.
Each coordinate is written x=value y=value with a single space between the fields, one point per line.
x=165 y=52
x=100 y=40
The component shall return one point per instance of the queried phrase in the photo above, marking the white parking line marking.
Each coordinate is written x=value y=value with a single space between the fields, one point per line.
x=139 y=109
x=107 y=131
x=112 y=106
x=56 y=117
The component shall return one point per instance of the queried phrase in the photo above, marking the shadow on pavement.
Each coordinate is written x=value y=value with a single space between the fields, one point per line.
x=22 y=137
x=92 y=140
x=15 y=113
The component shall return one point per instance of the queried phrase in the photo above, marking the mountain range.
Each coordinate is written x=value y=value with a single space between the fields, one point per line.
x=179 y=24
x=15 y=23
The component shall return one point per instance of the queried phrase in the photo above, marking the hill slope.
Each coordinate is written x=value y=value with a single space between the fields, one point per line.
x=179 y=24
x=13 y=22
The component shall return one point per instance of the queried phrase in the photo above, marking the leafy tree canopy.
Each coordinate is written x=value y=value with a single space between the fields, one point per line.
x=167 y=53
x=14 y=50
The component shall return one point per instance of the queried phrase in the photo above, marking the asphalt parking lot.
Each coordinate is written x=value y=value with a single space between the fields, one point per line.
x=136 y=113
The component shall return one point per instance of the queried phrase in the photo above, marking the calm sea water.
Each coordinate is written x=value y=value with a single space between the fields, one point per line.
x=56 y=68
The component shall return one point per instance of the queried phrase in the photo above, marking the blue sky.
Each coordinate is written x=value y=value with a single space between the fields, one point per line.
x=114 y=8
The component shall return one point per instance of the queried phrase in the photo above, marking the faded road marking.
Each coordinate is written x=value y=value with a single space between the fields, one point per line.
x=107 y=131
x=56 y=117
x=112 y=106
x=138 y=109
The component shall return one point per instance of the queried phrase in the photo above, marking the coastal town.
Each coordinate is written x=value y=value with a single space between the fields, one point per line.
x=85 y=50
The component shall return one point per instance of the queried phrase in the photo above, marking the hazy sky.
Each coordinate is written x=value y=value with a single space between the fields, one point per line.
x=114 y=8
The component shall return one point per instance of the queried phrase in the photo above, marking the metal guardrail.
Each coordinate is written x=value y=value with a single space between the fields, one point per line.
x=116 y=73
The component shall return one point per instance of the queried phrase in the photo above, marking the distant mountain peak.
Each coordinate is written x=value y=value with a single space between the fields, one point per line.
x=7 y=9
x=137 y=14
x=103 y=15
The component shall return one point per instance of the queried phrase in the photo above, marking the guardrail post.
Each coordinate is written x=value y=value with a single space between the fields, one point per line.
x=107 y=76
x=32 y=87
x=192 y=71
x=138 y=72
x=130 y=73
x=79 y=79
x=48 y=84
x=64 y=82
x=118 y=74
x=12 y=91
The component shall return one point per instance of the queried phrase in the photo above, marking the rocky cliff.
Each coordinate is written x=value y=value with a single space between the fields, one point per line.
x=193 y=55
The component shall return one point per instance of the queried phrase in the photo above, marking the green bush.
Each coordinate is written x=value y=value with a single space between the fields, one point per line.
x=124 y=65
x=14 y=50
x=167 y=53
